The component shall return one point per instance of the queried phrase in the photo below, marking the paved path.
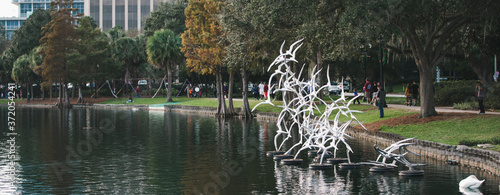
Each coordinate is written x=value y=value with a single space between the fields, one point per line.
x=438 y=109
x=441 y=109
x=417 y=108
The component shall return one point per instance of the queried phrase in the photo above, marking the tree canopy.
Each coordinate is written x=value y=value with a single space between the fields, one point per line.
x=58 y=40
x=163 y=50
x=169 y=15
x=202 y=42
x=25 y=38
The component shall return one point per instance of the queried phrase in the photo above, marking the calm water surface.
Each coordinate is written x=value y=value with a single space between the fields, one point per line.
x=149 y=152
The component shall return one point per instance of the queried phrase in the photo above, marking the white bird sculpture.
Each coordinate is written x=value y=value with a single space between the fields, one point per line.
x=471 y=182
x=302 y=111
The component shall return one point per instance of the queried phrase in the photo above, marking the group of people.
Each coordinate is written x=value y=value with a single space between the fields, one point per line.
x=261 y=91
x=371 y=90
x=376 y=91
x=193 y=91
x=411 y=94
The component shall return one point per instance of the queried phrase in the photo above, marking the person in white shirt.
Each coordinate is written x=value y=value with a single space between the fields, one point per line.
x=261 y=90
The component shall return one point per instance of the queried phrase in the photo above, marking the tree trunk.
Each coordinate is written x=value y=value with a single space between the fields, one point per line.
x=94 y=85
x=50 y=92
x=66 y=97
x=221 y=103
x=80 y=95
x=73 y=92
x=230 y=107
x=246 y=112
x=31 y=95
x=483 y=68
x=59 y=99
x=427 y=91
x=169 y=81
x=149 y=86
x=125 y=88
x=319 y=65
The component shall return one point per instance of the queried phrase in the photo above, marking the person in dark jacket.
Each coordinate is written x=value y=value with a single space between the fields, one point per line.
x=255 y=90
x=414 y=92
x=381 y=100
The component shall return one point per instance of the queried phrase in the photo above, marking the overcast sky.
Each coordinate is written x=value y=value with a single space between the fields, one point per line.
x=7 y=9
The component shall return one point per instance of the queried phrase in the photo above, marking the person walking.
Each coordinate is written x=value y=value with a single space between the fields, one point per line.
x=414 y=92
x=356 y=96
x=374 y=93
x=481 y=95
x=367 y=88
x=381 y=100
x=408 y=94
x=261 y=90
x=138 y=92
x=266 y=90
x=255 y=91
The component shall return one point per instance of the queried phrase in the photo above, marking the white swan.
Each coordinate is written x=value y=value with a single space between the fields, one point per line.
x=471 y=182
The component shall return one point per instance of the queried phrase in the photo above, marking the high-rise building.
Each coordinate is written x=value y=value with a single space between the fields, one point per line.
x=129 y=14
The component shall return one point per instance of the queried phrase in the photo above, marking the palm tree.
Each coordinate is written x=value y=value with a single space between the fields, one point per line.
x=130 y=54
x=164 y=49
x=22 y=72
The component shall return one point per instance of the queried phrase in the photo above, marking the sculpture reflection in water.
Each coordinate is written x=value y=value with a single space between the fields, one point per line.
x=300 y=105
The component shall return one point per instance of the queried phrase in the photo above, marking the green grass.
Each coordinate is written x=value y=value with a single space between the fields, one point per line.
x=396 y=100
x=398 y=88
x=371 y=113
x=452 y=131
x=6 y=101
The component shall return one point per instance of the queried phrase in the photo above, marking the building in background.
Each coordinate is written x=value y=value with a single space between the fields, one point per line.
x=129 y=14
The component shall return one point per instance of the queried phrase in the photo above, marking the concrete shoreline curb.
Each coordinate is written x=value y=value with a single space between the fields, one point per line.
x=485 y=160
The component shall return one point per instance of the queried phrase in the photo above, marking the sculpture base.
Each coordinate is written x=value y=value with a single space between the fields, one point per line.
x=320 y=166
x=281 y=157
x=272 y=153
x=412 y=173
x=349 y=165
x=336 y=160
x=312 y=153
x=291 y=161
x=381 y=169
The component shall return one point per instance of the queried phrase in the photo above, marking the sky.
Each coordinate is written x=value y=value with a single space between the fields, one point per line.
x=7 y=9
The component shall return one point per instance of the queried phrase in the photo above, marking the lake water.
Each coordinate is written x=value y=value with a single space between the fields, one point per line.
x=150 y=152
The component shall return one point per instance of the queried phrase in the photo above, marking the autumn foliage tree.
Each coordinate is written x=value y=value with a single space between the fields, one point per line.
x=57 y=41
x=201 y=43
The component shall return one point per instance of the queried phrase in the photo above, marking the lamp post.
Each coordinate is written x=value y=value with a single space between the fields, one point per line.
x=365 y=58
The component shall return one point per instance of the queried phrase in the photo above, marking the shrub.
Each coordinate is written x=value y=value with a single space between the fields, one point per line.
x=493 y=97
x=467 y=142
x=471 y=105
x=449 y=92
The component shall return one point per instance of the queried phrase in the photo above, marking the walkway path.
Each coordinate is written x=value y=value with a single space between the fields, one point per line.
x=441 y=109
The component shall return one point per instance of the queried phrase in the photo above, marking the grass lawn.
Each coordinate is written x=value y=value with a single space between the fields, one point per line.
x=6 y=101
x=371 y=116
x=371 y=113
x=161 y=100
x=453 y=132
x=398 y=88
